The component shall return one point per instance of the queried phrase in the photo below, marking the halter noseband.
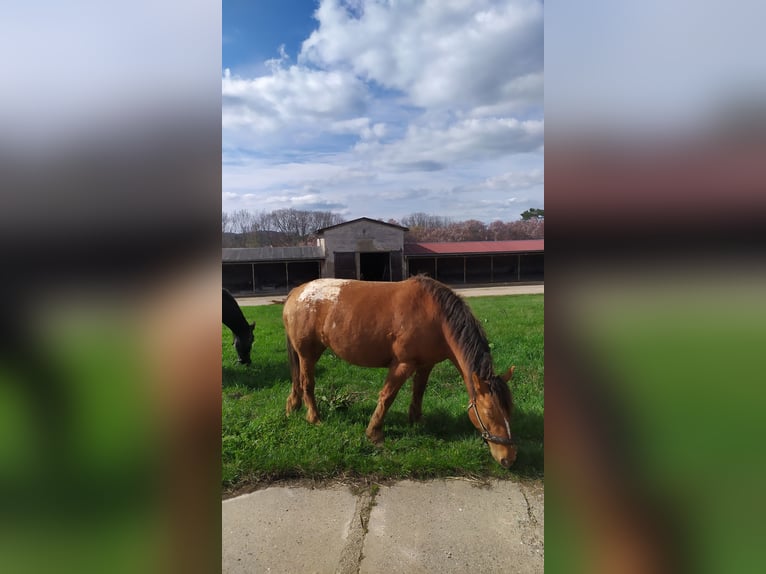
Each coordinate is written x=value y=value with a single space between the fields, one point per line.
x=488 y=436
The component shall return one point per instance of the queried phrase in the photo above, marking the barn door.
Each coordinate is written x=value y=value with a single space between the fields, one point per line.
x=345 y=264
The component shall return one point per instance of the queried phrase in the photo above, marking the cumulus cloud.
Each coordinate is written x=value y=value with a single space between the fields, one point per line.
x=481 y=53
x=290 y=96
x=516 y=180
x=430 y=149
x=413 y=101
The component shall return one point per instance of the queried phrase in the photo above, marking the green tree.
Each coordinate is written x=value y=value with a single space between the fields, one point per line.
x=533 y=213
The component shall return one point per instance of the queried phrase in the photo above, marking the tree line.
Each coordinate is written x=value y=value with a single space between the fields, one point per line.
x=285 y=227
x=424 y=228
x=279 y=228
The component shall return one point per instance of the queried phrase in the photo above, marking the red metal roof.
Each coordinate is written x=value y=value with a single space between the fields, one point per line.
x=474 y=247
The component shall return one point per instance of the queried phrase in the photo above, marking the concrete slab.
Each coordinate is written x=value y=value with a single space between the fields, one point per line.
x=440 y=526
x=446 y=526
x=286 y=530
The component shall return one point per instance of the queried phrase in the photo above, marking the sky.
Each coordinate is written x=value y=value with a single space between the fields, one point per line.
x=383 y=108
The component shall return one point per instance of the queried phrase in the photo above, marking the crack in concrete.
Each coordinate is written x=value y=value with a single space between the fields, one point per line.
x=529 y=526
x=351 y=556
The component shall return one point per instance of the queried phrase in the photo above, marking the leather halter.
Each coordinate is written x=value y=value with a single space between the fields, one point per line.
x=488 y=436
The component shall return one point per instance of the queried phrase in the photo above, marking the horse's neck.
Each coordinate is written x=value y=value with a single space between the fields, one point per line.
x=463 y=363
x=234 y=319
x=459 y=359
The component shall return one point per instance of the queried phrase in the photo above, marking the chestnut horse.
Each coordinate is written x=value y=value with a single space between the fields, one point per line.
x=407 y=326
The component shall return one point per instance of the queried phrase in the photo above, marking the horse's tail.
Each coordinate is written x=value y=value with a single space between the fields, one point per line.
x=292 y=355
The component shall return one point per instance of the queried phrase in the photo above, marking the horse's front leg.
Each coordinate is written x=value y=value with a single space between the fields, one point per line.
x=418 y=389
x=397 y=375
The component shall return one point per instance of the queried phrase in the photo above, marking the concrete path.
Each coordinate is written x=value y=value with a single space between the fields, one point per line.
x=465 y=292
x=440 y=526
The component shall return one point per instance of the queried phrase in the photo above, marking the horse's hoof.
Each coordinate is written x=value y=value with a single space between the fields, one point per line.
x=291 y=407
x=314 y=420
x=375 y=438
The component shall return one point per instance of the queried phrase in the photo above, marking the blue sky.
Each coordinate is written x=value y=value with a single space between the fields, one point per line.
x=382 y=109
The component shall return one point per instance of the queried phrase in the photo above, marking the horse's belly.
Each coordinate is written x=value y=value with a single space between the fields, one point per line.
x=370 y=354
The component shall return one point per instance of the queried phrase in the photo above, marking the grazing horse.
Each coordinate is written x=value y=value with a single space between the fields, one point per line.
x=407 y=326
x=242 y=331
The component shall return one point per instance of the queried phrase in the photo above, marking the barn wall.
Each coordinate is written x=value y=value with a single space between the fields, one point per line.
x=267 y=277
x=361 y=237
x=478 y=269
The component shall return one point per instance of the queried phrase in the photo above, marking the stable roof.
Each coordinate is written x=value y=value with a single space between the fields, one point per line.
x=474 y=247
x=251 y=254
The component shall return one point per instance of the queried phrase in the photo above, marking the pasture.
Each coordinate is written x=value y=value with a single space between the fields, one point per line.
x=260 y=443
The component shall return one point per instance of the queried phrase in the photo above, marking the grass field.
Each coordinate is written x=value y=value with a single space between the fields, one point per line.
x=260 y=443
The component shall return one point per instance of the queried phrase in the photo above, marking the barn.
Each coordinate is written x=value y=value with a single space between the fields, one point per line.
x=477 y=262
x=372 y=250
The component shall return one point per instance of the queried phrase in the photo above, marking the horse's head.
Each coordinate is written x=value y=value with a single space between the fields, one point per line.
x=244 y=344
x=490 y=412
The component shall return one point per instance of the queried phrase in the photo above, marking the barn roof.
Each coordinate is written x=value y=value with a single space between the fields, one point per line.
x=474 y=247
x=249 y=254
x=367 y=219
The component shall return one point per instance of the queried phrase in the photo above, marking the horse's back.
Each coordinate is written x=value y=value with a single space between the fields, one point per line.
x=322 y=297
x=365 y=323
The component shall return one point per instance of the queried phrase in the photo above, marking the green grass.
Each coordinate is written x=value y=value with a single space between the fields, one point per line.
x=260 y=443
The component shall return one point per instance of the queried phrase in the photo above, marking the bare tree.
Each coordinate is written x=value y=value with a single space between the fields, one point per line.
x=498 y=231
x=422 y=220
x=429 y=228
x=322 y=219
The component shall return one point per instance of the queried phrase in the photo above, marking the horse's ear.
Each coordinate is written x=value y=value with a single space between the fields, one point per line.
x=476 y=383
x=508 y=374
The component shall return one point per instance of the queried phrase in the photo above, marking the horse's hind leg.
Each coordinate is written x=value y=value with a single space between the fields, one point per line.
x=418 y=389
x=307 y=382
x=397 y=375
x=295 y=400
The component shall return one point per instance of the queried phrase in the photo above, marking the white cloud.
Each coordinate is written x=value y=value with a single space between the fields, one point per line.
x=433 y=148
x=516 y=180
x=438 y=53
x=392 y=108
x=289 y=98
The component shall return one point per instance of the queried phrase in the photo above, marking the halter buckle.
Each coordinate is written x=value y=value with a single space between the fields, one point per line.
x=485 y=434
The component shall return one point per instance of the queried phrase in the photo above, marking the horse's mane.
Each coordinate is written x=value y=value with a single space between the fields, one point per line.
x=469 y=336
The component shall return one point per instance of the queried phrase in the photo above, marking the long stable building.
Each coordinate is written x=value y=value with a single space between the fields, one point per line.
x=375 y=251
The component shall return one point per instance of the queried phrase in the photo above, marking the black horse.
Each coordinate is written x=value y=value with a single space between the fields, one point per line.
x=243 y=331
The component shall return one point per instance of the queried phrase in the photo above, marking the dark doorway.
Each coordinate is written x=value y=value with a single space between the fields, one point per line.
x=345 y=265
x=238 y=278
x=422 y=266
x=299 y=272
x=375 y=266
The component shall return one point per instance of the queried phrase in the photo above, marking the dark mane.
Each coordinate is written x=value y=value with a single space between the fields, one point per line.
x=469 y=336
